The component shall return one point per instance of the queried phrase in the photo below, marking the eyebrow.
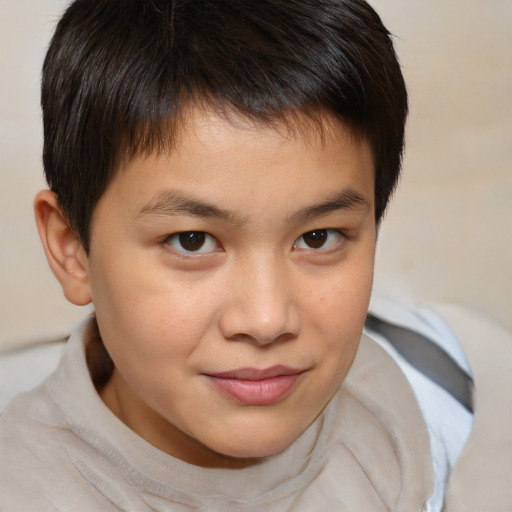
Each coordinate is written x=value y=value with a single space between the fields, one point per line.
x=174 y=203
x=348 y=199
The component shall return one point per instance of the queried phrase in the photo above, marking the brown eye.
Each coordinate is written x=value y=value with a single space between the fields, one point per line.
x=319 y=239
x=315 y=239
x=193 y=242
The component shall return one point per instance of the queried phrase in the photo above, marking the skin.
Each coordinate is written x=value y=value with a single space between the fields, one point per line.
x=256 y=294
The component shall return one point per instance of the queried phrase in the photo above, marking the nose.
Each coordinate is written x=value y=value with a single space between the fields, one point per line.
x=262 y=307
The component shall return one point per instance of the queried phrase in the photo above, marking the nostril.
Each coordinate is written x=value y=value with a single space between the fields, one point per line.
x=247 y=338
x=285 y=337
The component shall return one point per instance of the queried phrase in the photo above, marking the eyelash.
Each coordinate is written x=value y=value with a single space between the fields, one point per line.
x=178 y=241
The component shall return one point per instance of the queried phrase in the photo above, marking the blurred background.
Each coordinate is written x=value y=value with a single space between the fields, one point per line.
x=448 y=233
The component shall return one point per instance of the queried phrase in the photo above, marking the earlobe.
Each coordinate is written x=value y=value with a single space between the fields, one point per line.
x=64 y=252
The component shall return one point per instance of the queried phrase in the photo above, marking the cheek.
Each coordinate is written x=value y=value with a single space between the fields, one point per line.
x=157 y=323
x=337 y=312
x=154 y=314
x=339 y=304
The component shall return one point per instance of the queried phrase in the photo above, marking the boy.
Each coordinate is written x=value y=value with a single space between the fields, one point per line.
x=218 y=172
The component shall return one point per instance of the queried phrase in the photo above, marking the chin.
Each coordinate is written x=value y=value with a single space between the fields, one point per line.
x=256 y=447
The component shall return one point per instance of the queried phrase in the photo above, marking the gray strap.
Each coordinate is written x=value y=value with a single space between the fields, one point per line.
x=428 y=358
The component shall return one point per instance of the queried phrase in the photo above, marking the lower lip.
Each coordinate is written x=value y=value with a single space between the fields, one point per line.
x=256 y=392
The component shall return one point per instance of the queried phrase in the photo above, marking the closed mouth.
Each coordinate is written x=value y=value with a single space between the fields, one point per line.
x=251 y=386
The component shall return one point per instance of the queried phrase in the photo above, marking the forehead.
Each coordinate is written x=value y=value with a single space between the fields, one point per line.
x=249 y=165
x=312 y=130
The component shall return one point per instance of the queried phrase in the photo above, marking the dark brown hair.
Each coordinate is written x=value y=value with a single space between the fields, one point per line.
x=119 y=75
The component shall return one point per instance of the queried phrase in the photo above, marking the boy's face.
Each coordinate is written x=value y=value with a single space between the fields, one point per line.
x=230 y=338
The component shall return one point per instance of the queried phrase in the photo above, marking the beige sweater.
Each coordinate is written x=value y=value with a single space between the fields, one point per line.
x=62 y=449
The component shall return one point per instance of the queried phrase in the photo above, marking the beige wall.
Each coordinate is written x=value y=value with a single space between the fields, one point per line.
x=448 y=235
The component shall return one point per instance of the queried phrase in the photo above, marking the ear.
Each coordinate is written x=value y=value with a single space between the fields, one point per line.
x=64 y=252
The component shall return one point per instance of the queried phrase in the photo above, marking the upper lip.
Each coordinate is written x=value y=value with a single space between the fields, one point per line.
x=256 y=373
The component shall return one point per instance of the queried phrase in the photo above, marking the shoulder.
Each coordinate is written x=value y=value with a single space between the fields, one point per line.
x=41 y=446
x=481 y=443
x=432 y=358
x=29 y=432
